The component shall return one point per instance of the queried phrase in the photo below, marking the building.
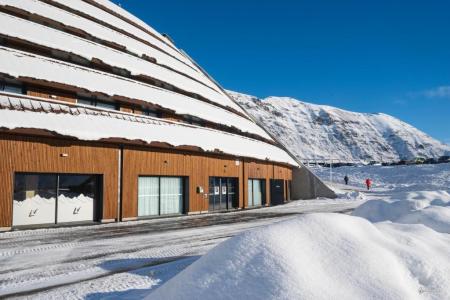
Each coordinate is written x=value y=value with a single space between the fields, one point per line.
x=103 y=119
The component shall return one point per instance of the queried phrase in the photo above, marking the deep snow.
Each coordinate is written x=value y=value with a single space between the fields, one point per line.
x=314 y=255
x=320 y=256
x=394 y=246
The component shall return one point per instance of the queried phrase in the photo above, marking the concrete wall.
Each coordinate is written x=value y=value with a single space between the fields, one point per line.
x=306 y=185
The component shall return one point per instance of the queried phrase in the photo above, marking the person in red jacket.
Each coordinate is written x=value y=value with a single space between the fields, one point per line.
x=368 y=183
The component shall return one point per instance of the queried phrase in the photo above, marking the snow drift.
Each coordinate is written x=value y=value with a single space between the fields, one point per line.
x=431 y=209
x=313 y=131
x=320 y=256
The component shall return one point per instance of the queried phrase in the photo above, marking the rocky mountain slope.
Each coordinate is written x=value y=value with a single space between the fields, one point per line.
x=313 y=131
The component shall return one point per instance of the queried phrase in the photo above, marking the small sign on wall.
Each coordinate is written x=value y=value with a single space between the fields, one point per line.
x=238 y=162
x=224 y=190
x=216 y=190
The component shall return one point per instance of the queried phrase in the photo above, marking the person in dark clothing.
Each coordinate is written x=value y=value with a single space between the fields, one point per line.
x=346 y=179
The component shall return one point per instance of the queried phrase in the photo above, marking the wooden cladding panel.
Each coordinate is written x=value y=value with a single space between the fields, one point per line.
x=266 y=171
x=43 y=155
x=282 y=172
x=142 y=162
x=51 y=94
x=35 y=155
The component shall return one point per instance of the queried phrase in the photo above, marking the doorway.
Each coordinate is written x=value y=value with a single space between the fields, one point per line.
x=223 y=193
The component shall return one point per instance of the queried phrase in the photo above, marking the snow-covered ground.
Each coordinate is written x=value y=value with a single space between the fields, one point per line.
x=395 y=246
x=127 y=259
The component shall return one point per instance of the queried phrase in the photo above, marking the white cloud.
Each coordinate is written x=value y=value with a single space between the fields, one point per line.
x=438 y=92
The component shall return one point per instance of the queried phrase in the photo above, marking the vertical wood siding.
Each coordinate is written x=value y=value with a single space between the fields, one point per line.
x=19 y=154
x=30 y=154
x=51 y=94
x=142 y=162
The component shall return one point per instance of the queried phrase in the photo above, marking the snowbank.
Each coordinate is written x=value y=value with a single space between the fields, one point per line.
x=431 y=209
x=320 y=256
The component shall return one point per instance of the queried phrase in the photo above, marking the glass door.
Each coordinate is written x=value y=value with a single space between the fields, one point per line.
x=34 y=199
x=76 y=198
x=55 y=198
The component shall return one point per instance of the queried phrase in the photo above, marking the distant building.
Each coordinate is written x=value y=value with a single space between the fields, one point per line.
x=103 y=119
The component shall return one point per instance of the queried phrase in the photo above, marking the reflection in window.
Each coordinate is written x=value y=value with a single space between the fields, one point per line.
x=9 y=88
x=34 y=199
x=96 y=103
x=160 y=196
x=256 y=192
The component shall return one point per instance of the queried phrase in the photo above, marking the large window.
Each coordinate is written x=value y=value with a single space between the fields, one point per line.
x=256 y=192
x=53 y=198
x=160 y=196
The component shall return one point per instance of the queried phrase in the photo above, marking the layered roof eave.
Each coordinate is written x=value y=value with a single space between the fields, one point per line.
x=78 y=122
x=22 y=64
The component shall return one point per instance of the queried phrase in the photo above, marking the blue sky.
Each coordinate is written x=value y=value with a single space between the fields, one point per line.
x=366 y=56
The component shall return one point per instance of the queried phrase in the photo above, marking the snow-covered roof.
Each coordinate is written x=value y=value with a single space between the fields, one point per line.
x=55 y=39
x=112 y=20
x=105 y=33
x=78 y=121
x=125 y=14
x=21 y=64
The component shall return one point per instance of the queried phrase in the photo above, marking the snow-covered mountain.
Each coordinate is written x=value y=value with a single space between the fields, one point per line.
x=313 y=131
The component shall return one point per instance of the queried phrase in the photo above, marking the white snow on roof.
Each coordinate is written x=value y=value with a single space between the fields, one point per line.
x=119 y=23
x=55 y=39
x=86 y=124
x=117 y=9
x=20 y=64
x=105 y=33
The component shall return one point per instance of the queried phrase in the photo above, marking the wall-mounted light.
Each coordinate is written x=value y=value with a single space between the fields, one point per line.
x=64 y=155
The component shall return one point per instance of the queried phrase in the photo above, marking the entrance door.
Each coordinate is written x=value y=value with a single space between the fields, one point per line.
x=277 y=191
x=34 y=199
x=52 y=198
x=76 y=198
x=223 y=193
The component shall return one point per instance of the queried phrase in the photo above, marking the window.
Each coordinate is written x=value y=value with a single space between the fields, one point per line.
x=53 y=198
x=194 y=121
x=34 y=199
x=256 y=192
x=151 y=113
x=85 y=101
x=106 y=105
x=160 y=196
x=96 y=103
x=8 y=88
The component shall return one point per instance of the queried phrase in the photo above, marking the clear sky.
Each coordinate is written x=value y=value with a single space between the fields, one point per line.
x=365 y=56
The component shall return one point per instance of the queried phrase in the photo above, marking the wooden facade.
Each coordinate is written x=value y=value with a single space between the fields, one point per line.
x=53 y=155
x=44 y=155
x=51 y=94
